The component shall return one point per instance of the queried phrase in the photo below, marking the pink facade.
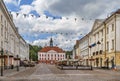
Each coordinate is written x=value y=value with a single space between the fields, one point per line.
x=50 y=55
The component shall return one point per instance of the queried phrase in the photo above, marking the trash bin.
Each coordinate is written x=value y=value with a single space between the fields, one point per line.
x=12 y=66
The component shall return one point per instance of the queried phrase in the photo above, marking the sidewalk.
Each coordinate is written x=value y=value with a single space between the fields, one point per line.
x=107 y=71
x=9 y=72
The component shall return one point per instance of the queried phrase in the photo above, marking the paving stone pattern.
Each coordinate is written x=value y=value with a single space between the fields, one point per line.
x=44 y=72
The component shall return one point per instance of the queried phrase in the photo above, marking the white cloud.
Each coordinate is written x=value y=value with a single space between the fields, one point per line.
x=58 y=40
x=26 y=9
x=8 y=1
x=68 y=31
x=82 y=10
x=42 y=5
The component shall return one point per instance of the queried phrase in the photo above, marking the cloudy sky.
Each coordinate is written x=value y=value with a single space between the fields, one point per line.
x=64 y=20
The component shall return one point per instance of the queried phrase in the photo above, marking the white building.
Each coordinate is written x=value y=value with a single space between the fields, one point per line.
x=84 y=49
x=50 y=54
x=24 y=49
x=76 y=50
x=10 y=40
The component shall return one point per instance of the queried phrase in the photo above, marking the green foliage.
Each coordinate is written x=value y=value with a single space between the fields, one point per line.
x=34 y=52
x=68 y=53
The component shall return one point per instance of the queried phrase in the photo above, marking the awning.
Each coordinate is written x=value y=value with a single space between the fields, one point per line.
x=93 y=45
x=91 y=59
x=16 y=58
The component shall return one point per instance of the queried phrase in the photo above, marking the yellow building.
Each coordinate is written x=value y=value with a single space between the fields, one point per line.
x=104 y=42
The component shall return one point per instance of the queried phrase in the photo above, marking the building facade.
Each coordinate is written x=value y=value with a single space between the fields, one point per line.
x=76 y=50
x=50 y=54
x=103 y=42
x=96 y=43
x=13 y=45
x=84 y=49
x=106 y=52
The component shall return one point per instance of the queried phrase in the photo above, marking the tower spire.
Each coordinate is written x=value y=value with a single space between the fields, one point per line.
x=51 y=42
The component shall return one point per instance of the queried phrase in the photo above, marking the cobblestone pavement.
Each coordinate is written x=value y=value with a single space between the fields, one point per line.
x=43 y=72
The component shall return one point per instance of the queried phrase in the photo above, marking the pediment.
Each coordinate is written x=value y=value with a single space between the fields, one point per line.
x=52 y=51
x=97 y=24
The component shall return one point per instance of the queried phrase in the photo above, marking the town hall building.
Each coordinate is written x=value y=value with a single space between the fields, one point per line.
x=50 y=54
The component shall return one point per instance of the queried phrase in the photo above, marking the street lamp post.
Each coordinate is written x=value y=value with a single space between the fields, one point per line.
x=90 y=59
x=91 y=63
x=17 y=63
x=1 y=62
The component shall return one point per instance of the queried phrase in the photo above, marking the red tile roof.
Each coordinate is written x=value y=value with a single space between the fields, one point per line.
x=48 y=48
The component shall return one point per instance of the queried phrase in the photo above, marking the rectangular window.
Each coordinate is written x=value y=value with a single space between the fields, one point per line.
x=112 y=27
x=98 y=35
x=112 y=44
x=5 y=33
x=96 y=52
x=93 y=53
x=1 y=30
x=102 y=40
x=102 y=32
x=55 y=55
x=101 y=51
x=1 y=18
x=107 y=46
x=2 y=44
x=107 y=30
x=90 y=40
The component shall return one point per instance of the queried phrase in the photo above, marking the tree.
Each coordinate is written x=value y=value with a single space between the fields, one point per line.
x=69 y=53
x=33 y=52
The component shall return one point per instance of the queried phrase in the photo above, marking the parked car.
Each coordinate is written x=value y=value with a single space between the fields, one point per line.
x=29 y=64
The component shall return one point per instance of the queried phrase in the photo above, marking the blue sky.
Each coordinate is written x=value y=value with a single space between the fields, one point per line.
x=26 y=2
x=57 y=17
